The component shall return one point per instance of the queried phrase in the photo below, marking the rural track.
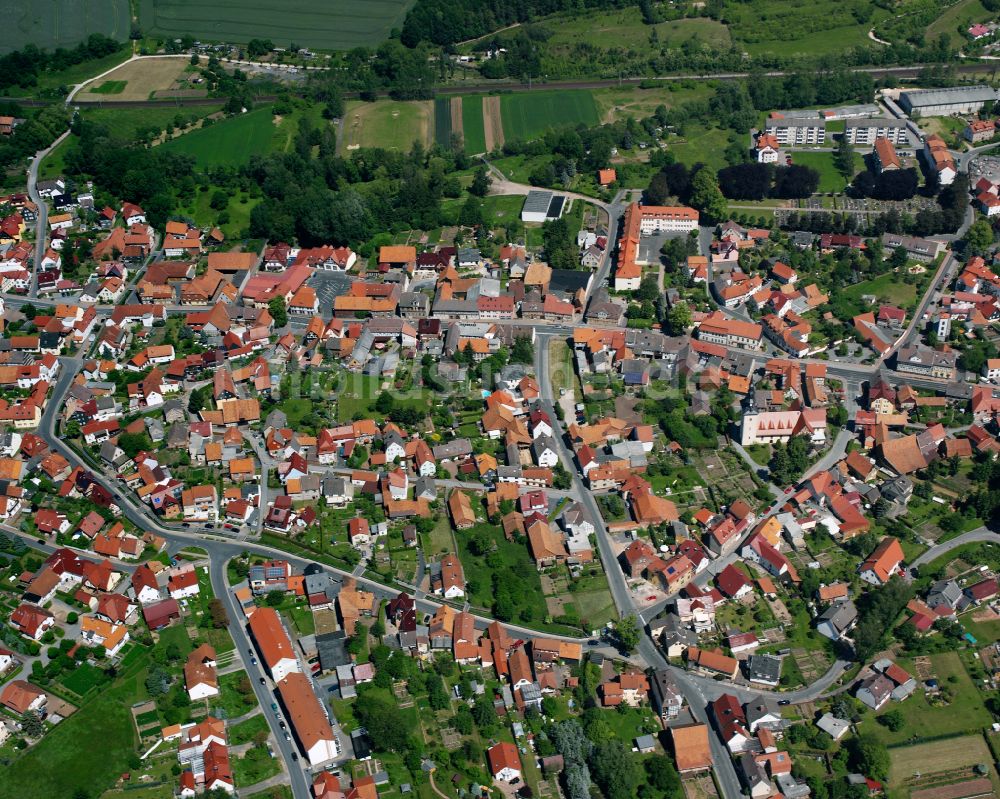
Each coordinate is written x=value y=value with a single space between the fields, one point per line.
x=481 y=88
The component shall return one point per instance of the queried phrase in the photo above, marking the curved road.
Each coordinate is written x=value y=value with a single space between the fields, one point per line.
x=42 y=221
x=979 y=535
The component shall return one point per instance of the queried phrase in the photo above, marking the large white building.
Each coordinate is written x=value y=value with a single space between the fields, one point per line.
x=541 y=206
x=790 y=132
x=866 y=131
x=309 y=721
x=773 y=426
x=273 y=643
x=941 y=102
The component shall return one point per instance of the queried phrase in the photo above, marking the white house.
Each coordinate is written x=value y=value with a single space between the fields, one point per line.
x=544 y=450
x=505 y=764
x=200 y=677
x=182 y=582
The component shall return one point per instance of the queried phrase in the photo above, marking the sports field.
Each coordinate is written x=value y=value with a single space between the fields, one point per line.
x=472 y=125
x=49 y=24
x=142 y=79
x=527 y=116
x=331 y=25
x=230 y=142
x=388 y=124
x=110 y=87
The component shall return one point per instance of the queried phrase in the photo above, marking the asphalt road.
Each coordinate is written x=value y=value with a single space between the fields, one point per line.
x=42 y=220
x=616 y=578
x=262 y=684
x=980 y=534
x=723 y=764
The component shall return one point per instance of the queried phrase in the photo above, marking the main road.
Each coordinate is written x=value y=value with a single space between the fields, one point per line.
x=647 y=649
x=979 y=535
x=42 y=219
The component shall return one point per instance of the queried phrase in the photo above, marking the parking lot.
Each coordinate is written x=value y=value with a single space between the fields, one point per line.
x=329 y=285
x=985 y=166
x=649 y=246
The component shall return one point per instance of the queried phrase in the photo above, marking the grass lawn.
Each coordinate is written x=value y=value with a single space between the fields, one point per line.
x=255 y=766
x=888 y=288
x=89 y=750
x=54 y=164
x=982 y=631
x=110 y=87
x=830 y=180
x=561 y=373
x=389 y=124
x=511 y=563
x=706 y=147
x=965 y=712
x=796 y=26
x=356 y=397
x=964 y=13
x=124 y=122
x=77 y=73
x=622 y=102
x=949 y=128
x=178 y=636
x=230 y=700
x=295 y=409
x=631 y=722
x=240 y=205
x=439 y=541
x=939 y=756
x=246 y=730
x=625 y=28
x=595 y=606
x=527 y=116
x=302 y=618
x=473 y=130
x=502 y=208
x=228 y=142
x=83 y=678
x=761 y=453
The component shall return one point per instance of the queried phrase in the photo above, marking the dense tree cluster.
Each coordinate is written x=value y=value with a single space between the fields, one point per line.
x=697 y=187
x=560 y=248
x=790 y=460
x=581 y=149
x=753 y=181
x=153 y=179
x=446 y=22
x=21 y=68
x=894 y=184
x=36 y=133
x=407 y=74
x=877 y=614
x=331 y=199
